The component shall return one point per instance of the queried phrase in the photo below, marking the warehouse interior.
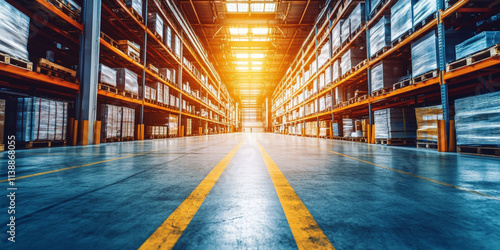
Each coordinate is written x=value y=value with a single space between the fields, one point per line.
x=250 y=124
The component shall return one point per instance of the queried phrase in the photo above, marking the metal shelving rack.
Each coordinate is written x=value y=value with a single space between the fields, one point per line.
x=115 y=18
x=431 y=89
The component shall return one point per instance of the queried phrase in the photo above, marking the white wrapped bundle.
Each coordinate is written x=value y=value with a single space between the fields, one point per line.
x=346 y=30
x=380 y=35
x=107 y=75
x=424 y=54
x=351 y=58
x=395 y=123
x=422 y=9
x=401 y=18
x=127 y=80
x=477 y=43
x=357 y=17
x=155 y=23
x=159 y=92
x=14 y=28
x=385 y=74
x=336 y=35
x=348 y=127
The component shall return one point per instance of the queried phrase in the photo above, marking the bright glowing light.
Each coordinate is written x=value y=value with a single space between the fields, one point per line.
x=257 y=56
x=241 y=63
x=242 y=68
x=256 y=68
x=256 y=63
x=243 y=7
x=270 y=7
x=238 y=31
x=231 y=7
x=241 y=55
x=260 y=31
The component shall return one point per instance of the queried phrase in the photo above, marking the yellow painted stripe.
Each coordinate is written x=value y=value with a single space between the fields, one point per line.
x=79 y=166
x=307 y=233
x=172 y=228
x=417 y=176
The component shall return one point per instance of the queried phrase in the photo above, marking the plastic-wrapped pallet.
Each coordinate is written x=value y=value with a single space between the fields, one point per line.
x=147 y=93
x=159 y=92
x=127 y=80
x=127 y=122
x=395 y=123
x=477 y=120
x=357 y=17
x=135 y=4
x=348 y=127
x=424 y=54
x=328 y=75
x=380 y=35
x=322 y=103
x=373 y=5
x=173 y=125
x=328 y=101
x=14 y=28
x=335 y=70
x=166 y=95
x=346 y=30
x=384 y=74
x=401 y=18
x=427 y=118
x=111 y=121
x=477 y=43
x=325 y=54
x=167 y=37
x=339 y=95
x=177 y=46
x=422 y=9
x=351 y=58
x=336 y=35
x=107 y=75
x=155 y=23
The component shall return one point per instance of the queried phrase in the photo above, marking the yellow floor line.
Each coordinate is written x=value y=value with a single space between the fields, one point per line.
x=417 y=176
x=79 y=166
x=307 y=233
x=172 y=228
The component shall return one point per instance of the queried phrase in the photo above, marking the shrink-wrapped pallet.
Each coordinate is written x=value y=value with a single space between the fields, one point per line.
x=477 y=43
x=14 y=28
x=401 y=18
x=427 y=118
x=173 y=125
x=328 y=75
x=335 y=70
x=324 y=55
x=177 y=46
x=345 y=30
x=384 y=74
x=422 y=9
x=357 y=17
x=127 y=122
x=167 y=36
x=159 y=92
x=336 y=35
x=166 y=95
x=127 y=80
x=328 y=101
x=155 y=24
x=477 y=120
x=348 y=127
x=373 y=5
x=107 y=75
x=135 y=5
x=111 y=117
x=424 y=54
x=395 y=123
x=351 y=58
x=380 y=35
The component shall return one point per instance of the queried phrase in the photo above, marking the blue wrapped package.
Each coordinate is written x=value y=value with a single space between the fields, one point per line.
x=424 y=54
x=384 y=74
x=14 y=28
x=422 y=9
x=346 y=30
x=477 y=43
x=380 y=35
x=336 y=35
x=395 y=123
x=351 y=58
x=401 y=18
x=373 y=5
x=477 y=120
x=135 y=4
x=357 y=17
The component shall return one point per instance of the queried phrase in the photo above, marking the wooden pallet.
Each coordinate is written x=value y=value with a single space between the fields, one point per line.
x=379 y=53
x=401 y=38
x=427 y=144
x=128 y=138
x=114 y=139
x=421 y=24
x=425 y=76
x=395 y=142
x=479 y=150
x=8 y=59
x=360 y=65
x=362 y=98
x=356 y=31
x=129 y=94
x=108 y=88
x=42 y=62
x=41 y=144
x=68 y=9
x=474 y=58
x=135 y=14
x=56 y=74
x=378 y=7
x=382 y=91
x=109 y=40
x=153 y=68
x=353 y=100
x=402 y=84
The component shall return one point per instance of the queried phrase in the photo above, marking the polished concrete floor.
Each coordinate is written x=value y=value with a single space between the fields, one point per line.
x=258 y=191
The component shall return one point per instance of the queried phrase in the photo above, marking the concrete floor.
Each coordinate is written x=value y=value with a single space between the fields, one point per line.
x=361 y=196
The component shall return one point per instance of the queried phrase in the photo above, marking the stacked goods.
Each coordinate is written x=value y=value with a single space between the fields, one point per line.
x=339 y=95
x=365 y=127
x=348 y=127
x=325 y=54
x=14 y=28
x=177 y=46
x=127 y=80
x=111 y=117
x=107 y=75
x=189 y=126
x=321 y=81
x=336 y=35
x=335 y=70
x=357 y=17
x=345 y=31
x=132 y=49
x=328 y=101
x=173 y=125
x=424 y=54
x=401 y=18
x=166 y=94
x=298 y=130
x=395 y=123
x=427 y=118
x=380 y=35
x=168 y=73
x=477 y=43
x=335 y=129
x=159 y=92
x=136 y=5
x=384 y=74
x=156 y=131
x=373 y=5
x=351 y=58
x=167 y=37
x=40 y=119
x=322 y=103
x=422 y=9
x=477 y=120
x=328 y=75
x=127 y=122
x=155 y=24
x=149 y=93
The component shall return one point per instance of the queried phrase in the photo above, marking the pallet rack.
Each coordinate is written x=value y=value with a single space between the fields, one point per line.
x=116 y=20
x=440 y=86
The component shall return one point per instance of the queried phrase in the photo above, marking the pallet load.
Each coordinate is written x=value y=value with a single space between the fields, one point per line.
x=358 y=129
x=167 y=36
x=347 y=127
x=401 y=18
x=14 y=28
x=324 y=56
x=107 y=75
x=380 y=35
x=111 y=117
x=395 y=123
x=423 y=9
x=477 y=43
x=41 y=120
x=384 y=74
x=328 y=75
x=127 y=80
x=189 y=126
x=424 y=54
x=345 y=31
x=127 y=123
x=173 y=126
x=131 y=49
x=159 y=92
x=477 y=120
x=335 y=70
x=357 y=18
x=427 y=118
x=365 y=127
x=335 y=129
x=177 y=46
x=136 y=5
x=155 y=24
x=373 y=6
x=351 y=58
x=153 y=132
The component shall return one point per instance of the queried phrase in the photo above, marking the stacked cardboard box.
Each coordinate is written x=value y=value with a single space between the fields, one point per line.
x=384 y=74
x=155 y=23
x=427 y=118
x=351 y=58
x=173 y=125
x=348 y=127
x=127 y=122
x=395 y=123
x=127 y=80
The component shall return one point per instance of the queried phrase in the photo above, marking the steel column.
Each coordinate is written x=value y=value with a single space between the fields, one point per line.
x=144 y=48
x=442 y=67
